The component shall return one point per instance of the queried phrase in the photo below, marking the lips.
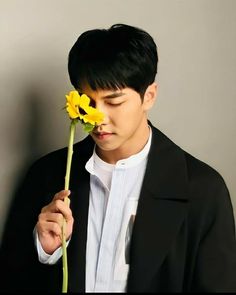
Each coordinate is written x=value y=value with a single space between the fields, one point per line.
x=102 y=135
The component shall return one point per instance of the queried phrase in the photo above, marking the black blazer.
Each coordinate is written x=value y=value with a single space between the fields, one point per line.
x=183 y=238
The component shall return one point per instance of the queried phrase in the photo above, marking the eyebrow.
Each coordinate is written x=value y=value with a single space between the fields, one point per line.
x=114 y=95
x=110 y=96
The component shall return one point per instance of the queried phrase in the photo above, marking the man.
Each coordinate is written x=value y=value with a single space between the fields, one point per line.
x=144 y=216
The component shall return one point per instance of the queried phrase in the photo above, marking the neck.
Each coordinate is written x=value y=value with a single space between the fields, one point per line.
x=131 y=147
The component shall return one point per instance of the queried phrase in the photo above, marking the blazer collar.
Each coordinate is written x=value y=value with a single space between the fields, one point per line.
x=166 y=172
x=161 y=210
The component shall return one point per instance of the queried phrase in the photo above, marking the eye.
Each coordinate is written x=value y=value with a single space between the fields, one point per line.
x=115 y=104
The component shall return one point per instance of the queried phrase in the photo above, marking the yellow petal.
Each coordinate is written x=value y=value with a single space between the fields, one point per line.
x=84 y=101
x=93 y=116
x=76 y=98
x=72 y=112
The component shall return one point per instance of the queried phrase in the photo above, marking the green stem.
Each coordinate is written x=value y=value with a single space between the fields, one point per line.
x=66 y=200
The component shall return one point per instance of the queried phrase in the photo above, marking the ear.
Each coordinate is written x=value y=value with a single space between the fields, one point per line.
x=150 y=96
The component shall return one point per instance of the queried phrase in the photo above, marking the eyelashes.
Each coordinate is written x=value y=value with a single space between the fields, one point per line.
x=115 y=104
x=93 y=103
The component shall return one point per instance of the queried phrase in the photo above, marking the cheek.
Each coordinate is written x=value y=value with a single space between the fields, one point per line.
x=125 y=116
x=118 y=118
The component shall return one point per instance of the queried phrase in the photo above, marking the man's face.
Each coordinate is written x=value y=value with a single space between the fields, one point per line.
x=124 y=130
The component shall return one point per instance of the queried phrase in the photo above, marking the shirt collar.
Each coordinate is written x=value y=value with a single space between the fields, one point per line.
x=129 y=162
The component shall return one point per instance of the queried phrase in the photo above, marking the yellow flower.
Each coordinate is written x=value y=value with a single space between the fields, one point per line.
x=78 y=107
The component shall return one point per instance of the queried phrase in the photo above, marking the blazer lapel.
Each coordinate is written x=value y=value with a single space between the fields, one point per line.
x=161 y=210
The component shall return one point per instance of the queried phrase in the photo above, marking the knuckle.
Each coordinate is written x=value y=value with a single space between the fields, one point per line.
x=58 y=204
x=41 y=217
x=71 y=219
x=55 y=197
x=59 y=218
x=56 y=228
x=44 y=209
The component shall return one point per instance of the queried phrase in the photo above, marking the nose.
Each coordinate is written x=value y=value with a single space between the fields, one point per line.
x=100 y=106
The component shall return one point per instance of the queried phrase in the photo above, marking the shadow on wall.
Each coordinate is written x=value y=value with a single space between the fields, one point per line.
x=34 y=101
x=29 y=147
x=30 y=138
x=30 y=118
x=14 y=278
x=33 y=146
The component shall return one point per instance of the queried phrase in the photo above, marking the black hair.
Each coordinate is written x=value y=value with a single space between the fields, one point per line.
x=121 y=56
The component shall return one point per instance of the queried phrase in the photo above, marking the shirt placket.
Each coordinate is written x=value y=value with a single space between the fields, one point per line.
x=110 y=231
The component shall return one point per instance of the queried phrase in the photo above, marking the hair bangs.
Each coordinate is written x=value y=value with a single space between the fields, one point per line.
x=101 y=76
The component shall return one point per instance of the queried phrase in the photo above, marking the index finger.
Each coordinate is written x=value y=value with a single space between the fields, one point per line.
x=61 y=195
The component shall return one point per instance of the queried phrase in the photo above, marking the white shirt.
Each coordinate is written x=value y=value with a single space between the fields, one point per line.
x=114 y=194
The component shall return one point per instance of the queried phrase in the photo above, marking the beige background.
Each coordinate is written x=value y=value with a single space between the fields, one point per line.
x=196 y=104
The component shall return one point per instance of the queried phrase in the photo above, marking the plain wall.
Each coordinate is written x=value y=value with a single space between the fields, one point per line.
x=195 y=107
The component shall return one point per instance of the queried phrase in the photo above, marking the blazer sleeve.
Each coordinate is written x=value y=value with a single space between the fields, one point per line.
x=21 y=269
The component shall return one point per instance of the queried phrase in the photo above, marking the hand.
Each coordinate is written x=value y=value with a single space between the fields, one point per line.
x=50 y=220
